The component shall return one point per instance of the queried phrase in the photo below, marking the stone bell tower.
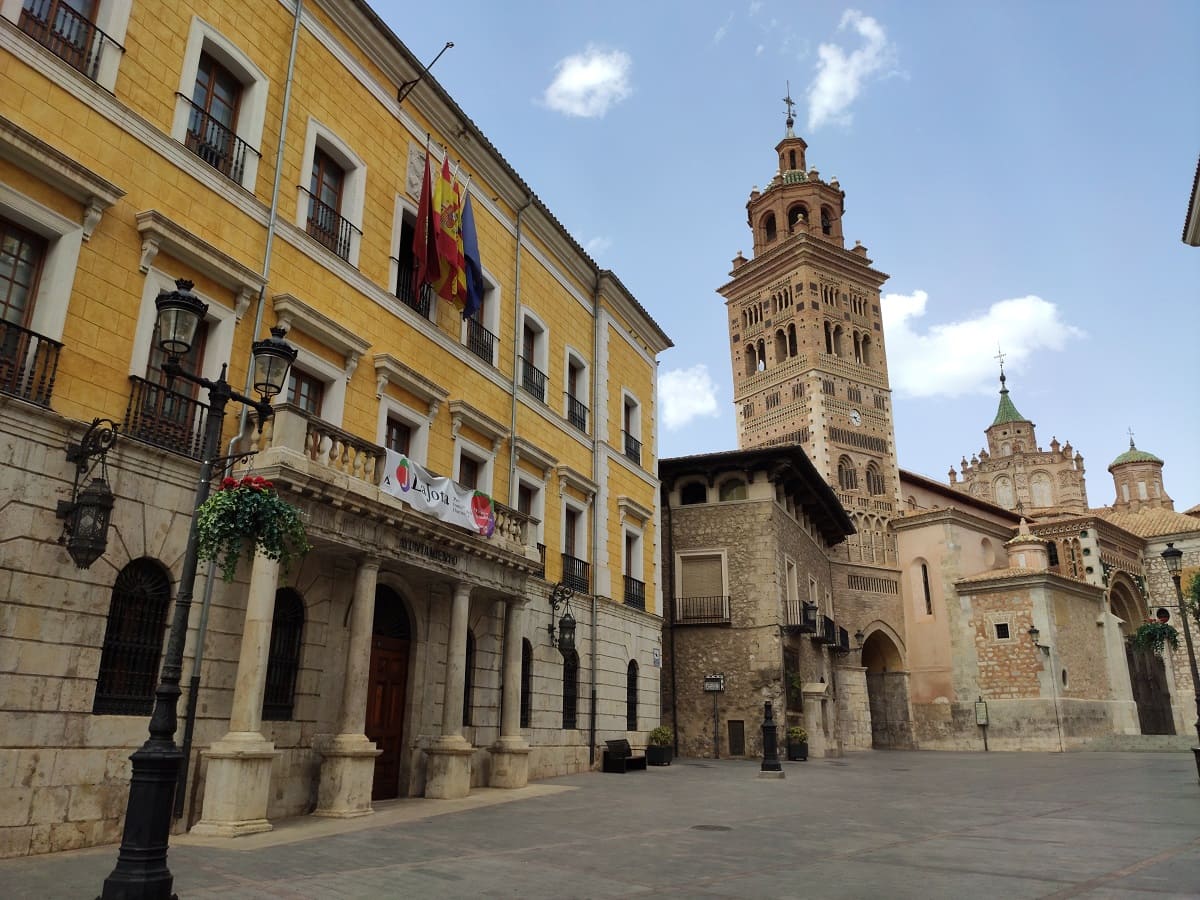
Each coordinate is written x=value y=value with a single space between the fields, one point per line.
x=807 y=347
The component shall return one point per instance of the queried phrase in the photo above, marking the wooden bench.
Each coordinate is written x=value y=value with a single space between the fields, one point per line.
x=619 y=757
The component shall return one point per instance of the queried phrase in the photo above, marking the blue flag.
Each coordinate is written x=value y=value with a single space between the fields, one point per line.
x=471 y=254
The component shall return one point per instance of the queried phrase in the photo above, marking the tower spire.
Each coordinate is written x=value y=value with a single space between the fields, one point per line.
x=791 y=108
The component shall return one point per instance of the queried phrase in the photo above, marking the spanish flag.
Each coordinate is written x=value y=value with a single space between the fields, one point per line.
x=447 y=203
x=425 y=242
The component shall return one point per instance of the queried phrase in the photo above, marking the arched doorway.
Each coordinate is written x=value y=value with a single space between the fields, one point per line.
x=887 y=693
x=387 y=689
x=1147 y=674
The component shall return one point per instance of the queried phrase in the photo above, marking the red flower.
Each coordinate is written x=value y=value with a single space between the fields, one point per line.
x=268 y=485
x=228 y=482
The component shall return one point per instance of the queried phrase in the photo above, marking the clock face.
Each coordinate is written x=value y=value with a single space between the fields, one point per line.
x=855 y=417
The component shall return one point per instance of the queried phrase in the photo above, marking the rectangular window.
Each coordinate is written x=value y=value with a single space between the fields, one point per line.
x=67 y=28
x=737 y=737
x=1002 y=631
x=305 y=391
x=700 y=597
x=211 y=132
x=399 y=435
x=925 y=586
x=525 y=499
x=325 y=222
x=21 y=255
x=468 y=472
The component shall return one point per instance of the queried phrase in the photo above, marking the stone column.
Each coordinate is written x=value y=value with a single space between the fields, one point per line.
x=510 y=754
x=348 y=764
x=448 y=772
x=237 y=785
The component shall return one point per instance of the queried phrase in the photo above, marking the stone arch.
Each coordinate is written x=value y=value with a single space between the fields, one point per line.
x=1002 y=490
x=770 y=230
x=887 y=687
x=1041 y=489
x=751 y=360
x=780 y=344
x=1125 y=602
x=991 y=558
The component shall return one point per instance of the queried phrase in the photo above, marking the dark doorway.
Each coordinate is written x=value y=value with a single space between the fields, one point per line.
x=887 y=694
x=1148 y=678
x=387 y=690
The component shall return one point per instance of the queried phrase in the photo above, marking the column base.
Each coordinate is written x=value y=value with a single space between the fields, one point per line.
x=510 y=763
x=347 y=774
x=448 y=768
x=237 y=786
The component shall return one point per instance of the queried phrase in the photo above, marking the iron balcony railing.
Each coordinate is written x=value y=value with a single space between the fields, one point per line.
x=480 y=341
x=328 y=227
x=69 y=35
x=801 y=615
x=635 y=592
x=165 y=418
x=843 y=640
x=829 y=633
x=533 y=379
x=541 y=572
x=633 y=448
x=215 y=143
x=576 y=574
x=702 y=610
x=28 y=364
x=419 y=301
x=577 y=413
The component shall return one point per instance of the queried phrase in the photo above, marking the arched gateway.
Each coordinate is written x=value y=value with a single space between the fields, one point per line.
x=887 y=692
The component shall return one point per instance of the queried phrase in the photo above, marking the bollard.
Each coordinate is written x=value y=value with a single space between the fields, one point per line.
x=770 y=761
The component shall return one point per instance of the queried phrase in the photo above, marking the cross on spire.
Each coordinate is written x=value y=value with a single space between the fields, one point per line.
x=791 y=104
x=1130 y=430
x=1000 y=354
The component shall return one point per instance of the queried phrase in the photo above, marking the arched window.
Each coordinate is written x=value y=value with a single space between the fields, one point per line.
x=762 y=355
x=751 y=362
x=791 y=337
x=631 y=696
x=570 y=685
x=866 y=350
x=780 y=345
x=858 y=358
x=1040 y=486
x=847 y=474
x=797 y=217
x=925 y=588
x=468 y=678
x=137 y=617
x=826 y=221
x=733 y=489
x=838 y=349
x=769 y=229
x=691 y=494
x=526 y=682
x=283 y=659
x=874 y=479
x=791 y=159
x=828 y=338
x=1002 y=489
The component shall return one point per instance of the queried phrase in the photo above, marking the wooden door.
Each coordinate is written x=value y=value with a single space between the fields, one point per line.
x=1148 y=678
x=385 y=711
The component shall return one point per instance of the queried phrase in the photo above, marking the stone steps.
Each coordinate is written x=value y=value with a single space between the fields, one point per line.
x=1141 y=743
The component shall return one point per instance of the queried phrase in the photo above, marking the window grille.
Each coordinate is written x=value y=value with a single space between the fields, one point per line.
x=133 y=637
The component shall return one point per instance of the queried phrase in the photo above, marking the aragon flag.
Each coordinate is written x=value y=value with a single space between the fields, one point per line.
x=447 y=203
x=474 y=267
x=425 y=243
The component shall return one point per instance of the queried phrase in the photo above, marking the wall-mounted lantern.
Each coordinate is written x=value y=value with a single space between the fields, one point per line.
x=88 y=513
x=560 y=595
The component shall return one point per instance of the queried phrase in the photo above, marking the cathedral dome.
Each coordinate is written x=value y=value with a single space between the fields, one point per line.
x=1133 y=454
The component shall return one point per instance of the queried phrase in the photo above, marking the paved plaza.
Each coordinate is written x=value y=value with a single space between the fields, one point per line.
x=882 y=824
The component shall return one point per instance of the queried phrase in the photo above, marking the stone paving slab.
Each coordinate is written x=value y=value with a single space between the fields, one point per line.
x=882 y=824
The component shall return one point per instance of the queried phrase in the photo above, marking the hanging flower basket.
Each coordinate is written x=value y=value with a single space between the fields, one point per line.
x=1155 y=635
x=248 y=512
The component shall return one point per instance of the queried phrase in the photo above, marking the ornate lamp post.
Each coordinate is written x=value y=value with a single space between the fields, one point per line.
x=141 y=872
x=1174 y=561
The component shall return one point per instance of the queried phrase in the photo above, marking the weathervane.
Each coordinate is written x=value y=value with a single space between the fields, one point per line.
x=791 y=104
x=1000 y=354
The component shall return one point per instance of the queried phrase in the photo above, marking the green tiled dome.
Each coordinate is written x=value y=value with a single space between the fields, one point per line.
x=1133 y=454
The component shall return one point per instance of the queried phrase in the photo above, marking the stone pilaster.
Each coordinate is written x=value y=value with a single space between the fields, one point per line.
x=510 y=754
x=448 y=770
x=348 y=764
x=237 y=786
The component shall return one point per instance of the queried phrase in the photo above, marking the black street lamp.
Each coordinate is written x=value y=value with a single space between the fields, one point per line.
x=560 y=594
x=141 y=872
x=1173 y=558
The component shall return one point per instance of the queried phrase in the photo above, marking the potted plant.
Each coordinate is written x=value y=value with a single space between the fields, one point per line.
x=248 y=512
x=1154 y=635
x=797 y=743
x=658 y=752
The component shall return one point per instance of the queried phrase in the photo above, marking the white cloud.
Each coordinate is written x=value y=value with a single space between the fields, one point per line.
x=841 y=76
x=758 y=51
x=686 y=394
x=588 y=83
x=597 y=245
x=755 y=7
x=955 y=358
x=723 y=30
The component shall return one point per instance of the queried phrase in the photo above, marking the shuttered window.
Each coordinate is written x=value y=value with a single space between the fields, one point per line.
x=701 y=576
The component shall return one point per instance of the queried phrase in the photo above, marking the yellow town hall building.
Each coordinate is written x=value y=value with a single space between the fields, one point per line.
x=260 y=152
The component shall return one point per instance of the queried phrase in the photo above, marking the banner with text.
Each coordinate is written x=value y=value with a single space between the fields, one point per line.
x=437 y=496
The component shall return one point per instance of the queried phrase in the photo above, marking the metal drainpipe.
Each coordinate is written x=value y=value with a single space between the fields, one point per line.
x=595 y=520
x=189 y=725
x=512 y=431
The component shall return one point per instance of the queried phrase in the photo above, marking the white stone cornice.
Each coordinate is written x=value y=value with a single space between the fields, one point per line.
x=160 y=233
x=33 y=155
x=523 y=449
x=631 y=509
x=292 y=312
x=390 y=369
x=568 y=477
x=463 y=413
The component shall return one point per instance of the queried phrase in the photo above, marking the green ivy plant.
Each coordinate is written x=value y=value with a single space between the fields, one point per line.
x=797 y=735
x=662 y=736
x=248 y=511
x=1154 y=635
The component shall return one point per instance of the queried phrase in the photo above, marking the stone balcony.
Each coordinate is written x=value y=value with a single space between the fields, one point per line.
x=334 y=476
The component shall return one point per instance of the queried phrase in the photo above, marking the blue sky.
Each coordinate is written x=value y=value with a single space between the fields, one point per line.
x=1020 y=170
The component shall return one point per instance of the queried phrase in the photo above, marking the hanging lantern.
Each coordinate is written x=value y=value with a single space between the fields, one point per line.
x=89 y=511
